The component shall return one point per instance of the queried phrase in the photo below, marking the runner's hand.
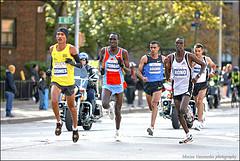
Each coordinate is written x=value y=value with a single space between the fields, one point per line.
x=120 y=62
x=102 y=71
x=69 y=61
x=145 y=79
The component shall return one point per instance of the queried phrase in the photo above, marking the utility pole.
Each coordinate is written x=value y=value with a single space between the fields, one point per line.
x=77 y=24
x=197 y=15
x=220 y=38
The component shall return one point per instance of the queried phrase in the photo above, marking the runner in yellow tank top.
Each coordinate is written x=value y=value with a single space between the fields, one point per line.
x=62 y=73
x=62 y=80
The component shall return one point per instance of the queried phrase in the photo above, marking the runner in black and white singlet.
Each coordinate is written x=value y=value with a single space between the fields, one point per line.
x=200 y=87
x=179 y=64
x=181 y=76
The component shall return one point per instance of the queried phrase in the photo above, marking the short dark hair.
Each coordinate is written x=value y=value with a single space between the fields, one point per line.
x=155 y=42
x=180 y=38
x=115 y=33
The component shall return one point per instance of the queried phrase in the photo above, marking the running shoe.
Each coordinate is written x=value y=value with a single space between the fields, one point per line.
x=75 y=136
x=117 y=136
x=188 y=139
x=199 y=125
x=150 y=131
x=58 y=129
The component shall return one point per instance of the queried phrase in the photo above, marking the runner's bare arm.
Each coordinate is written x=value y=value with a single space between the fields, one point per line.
x=212 y=66
x=126 y=61
x=193 y=58
x=74 y=54
x=143 y=60
x=163 y=57
x=167 y=64
x=49 y=70
x=101 y=57
x=51 y=49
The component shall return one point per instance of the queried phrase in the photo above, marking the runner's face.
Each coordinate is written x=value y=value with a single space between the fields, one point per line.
x=180 y=44
x=198 y=51
x=113 y=40
x=61 y=37
x=154 y=48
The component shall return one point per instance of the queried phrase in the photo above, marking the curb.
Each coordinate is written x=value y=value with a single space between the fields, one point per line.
x=25 y=120
x=32 y=119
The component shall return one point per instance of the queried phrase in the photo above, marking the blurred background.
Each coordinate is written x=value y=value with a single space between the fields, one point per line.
x=27 y=29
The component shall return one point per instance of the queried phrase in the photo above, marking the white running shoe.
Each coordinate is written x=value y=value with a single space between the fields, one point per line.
x=117 y=136
x=199 y=125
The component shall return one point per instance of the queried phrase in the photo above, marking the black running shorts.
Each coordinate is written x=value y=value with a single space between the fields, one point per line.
x=198 y=87
x=179 y=97
x=67 y=90
x=151 y=87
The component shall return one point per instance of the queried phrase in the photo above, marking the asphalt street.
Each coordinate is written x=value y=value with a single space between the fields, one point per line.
x=219 y=140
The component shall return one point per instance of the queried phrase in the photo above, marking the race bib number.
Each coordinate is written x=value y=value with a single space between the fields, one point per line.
x=112 y=65
x=155 y=68
x=60 y=69
x=180 y=72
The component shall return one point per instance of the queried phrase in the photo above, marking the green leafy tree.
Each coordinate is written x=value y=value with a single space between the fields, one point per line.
x=137 y=22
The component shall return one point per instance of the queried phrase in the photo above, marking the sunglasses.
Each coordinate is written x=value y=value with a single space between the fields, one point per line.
x=112 y=39
x=83 y=59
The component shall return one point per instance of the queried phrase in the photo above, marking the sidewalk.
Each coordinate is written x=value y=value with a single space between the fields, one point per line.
x=28 y=111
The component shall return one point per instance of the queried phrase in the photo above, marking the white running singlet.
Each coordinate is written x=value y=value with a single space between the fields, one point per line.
x=196 y=70
x=181 y=75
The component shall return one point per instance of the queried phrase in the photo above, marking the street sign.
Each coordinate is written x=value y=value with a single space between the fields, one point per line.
x=65 y=20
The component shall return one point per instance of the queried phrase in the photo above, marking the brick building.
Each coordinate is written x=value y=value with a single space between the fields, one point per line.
x=22 y=33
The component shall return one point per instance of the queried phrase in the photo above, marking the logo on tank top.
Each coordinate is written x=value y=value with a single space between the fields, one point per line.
x=180 y=72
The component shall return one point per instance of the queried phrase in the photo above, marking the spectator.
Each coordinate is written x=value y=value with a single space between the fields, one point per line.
x=43 y=91
x=139 y=88
x=229 y=69
x=131 y=81
x=35 y=79
x=10 y=90
x=226 y=81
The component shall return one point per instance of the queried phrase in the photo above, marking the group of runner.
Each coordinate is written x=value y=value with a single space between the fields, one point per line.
x=114 y=62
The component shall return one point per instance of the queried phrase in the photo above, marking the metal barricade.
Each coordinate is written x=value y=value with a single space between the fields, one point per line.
x=24 y=89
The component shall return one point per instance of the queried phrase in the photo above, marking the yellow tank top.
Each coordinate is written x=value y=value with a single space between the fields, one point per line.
x=62 y=73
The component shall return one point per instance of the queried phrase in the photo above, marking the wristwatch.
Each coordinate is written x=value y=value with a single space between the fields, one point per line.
x=198 y=75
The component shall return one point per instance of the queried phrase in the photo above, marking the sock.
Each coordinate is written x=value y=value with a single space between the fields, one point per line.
x=59 y=121
x=74 y=129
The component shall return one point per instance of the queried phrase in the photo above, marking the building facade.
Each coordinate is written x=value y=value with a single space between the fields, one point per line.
x=22 y=33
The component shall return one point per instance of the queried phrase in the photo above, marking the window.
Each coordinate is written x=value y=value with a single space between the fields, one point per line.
x=8 y=33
